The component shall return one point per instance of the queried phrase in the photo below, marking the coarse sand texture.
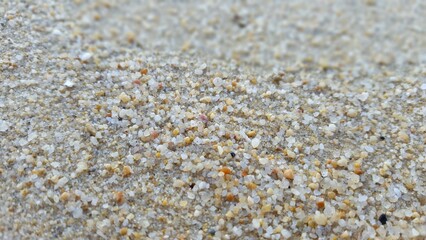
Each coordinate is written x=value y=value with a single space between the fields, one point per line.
x=210 y=119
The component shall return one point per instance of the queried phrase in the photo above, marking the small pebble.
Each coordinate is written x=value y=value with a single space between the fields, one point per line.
x=320 y=219
x=127 y=171
x=211 y=232
x=383 y=219
x=288 y=174
x=64 y=196
x=352 y=113
x=119 y=197
x=178 y=183
x=124 y=98
x=123 y=231
x=320 y=204
x=251 y=134
x=403 y=137
x=255 y=142
x=85 y=56
x=226 y=170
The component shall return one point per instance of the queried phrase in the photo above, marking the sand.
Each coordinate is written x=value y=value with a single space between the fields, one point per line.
x=212 y=119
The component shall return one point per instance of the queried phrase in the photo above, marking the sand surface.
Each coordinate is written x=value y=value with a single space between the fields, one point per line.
x=212 y=119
